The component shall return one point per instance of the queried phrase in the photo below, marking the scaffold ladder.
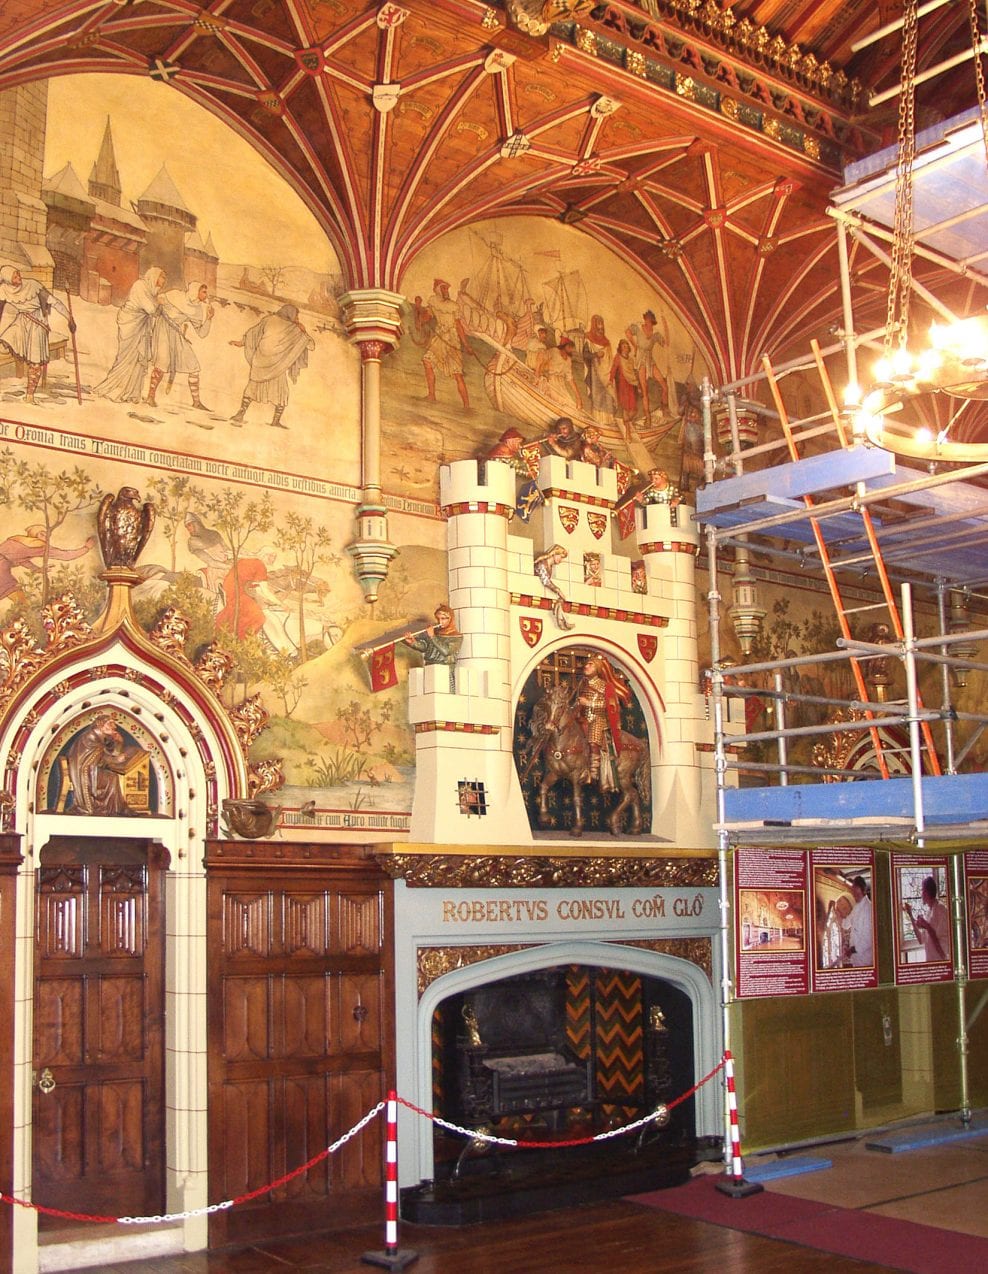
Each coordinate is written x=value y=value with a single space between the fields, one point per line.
x=842 y=611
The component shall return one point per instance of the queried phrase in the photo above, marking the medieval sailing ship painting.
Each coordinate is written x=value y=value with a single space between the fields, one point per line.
x=503 y=330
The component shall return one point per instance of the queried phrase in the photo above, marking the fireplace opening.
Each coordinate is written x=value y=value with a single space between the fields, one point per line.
x=562 y=1052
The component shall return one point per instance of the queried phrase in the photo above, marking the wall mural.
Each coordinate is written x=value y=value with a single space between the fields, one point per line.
x=260 y=573
x=516 y=322
x=509 y=326
x=191 y=307
x=196 y=356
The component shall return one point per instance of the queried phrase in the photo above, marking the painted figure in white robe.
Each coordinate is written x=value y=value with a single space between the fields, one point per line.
x=276 y=348
x=180 y=314
x=124 y=382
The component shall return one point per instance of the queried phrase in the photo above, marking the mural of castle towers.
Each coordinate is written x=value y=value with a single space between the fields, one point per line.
x=100 y=245
x=638 y=611
x=89 y=238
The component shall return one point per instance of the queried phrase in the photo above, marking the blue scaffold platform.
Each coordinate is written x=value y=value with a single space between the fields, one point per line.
x=932 y=1134
x=787 y=1166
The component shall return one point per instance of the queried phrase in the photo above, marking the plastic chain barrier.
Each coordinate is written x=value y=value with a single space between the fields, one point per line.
x=212 y=1207
x=471 y=1133
x=474 y=1135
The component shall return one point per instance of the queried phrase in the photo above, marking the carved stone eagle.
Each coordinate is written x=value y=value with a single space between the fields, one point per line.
x=124 y=525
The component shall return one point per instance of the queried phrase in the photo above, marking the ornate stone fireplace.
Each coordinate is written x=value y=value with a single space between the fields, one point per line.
x=552 y=1006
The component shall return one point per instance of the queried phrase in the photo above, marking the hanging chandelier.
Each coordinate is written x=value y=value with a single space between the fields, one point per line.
x=951 y=357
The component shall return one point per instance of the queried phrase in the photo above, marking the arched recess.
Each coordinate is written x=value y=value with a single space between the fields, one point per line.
x=199 y=762
x=642 y=683
x=688 y=977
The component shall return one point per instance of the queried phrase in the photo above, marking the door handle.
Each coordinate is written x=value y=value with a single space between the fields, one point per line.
x=46 y=1081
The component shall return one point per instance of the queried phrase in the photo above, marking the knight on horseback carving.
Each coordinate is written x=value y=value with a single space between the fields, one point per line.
x=601 y=696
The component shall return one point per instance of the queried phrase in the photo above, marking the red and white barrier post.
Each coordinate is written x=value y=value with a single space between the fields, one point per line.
x=734 y=1183
x=391 y=1258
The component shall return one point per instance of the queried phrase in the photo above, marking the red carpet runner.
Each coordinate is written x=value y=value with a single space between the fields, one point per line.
x=865 y=1236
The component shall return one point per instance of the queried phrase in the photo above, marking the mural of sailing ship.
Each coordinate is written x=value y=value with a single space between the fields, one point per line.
x=540 y=351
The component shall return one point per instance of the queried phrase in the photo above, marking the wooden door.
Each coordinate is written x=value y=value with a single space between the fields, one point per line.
x=98 y=1017
x=299 y=985
x=10 y=861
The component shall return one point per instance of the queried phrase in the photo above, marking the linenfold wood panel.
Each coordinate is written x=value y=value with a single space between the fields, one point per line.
x=299 y=1041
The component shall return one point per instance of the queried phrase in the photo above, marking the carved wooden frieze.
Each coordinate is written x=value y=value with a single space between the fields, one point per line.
x=698 y=951
x=501 y=871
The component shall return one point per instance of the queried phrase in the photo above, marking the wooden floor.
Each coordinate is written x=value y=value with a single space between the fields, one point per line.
x=609 y=1238
x=944 y=1185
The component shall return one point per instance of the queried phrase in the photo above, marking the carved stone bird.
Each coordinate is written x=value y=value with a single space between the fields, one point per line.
x=124 y=526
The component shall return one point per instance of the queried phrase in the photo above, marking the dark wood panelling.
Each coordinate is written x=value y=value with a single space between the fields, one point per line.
x=98 y=1026
x=300 y=969
x=10 y=860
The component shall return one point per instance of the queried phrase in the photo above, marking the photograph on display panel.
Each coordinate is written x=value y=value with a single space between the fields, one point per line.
x=845 y=919
x=923 y=949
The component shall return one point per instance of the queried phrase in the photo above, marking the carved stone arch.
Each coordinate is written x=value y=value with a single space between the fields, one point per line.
x=855 y=751
x=197 y=761
x=197 y=742
x=684 y=974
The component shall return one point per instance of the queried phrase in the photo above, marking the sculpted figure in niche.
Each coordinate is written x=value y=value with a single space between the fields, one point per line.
x=577 y=738
x=96 y=760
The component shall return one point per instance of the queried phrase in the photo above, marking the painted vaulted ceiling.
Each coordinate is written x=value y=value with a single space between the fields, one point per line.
x=697 y=139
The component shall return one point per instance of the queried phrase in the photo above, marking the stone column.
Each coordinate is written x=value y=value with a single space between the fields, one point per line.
x=372 y=317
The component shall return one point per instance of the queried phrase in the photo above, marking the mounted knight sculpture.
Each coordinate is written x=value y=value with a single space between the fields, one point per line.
x=577 y=736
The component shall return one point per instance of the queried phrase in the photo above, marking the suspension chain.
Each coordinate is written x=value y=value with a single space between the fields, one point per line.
x=897 y=313
x=979 y=71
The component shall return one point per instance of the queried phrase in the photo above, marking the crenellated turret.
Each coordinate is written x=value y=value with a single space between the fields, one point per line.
x=465 y=777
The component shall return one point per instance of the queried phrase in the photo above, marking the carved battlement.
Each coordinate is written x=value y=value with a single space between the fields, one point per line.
x=665 y=527
x=465 y=700
x=575 y=480
x=466 y=485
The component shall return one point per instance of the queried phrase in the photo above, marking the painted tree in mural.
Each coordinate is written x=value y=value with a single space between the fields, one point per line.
x=174 y=497
x=306 y=547
x=273 y=276
x=237 y=522
x=784 y=637
x=285 y=681
x=8 y=475
x=54 y=497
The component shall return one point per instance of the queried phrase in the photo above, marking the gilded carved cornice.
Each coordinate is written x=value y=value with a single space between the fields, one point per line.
x=433 y=963
x=698 y=951
x=502 y=871
x=755 y=44
x=699 y=51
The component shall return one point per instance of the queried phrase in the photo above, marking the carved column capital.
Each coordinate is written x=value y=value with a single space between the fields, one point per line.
x=372 y=351
x=372 y=318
